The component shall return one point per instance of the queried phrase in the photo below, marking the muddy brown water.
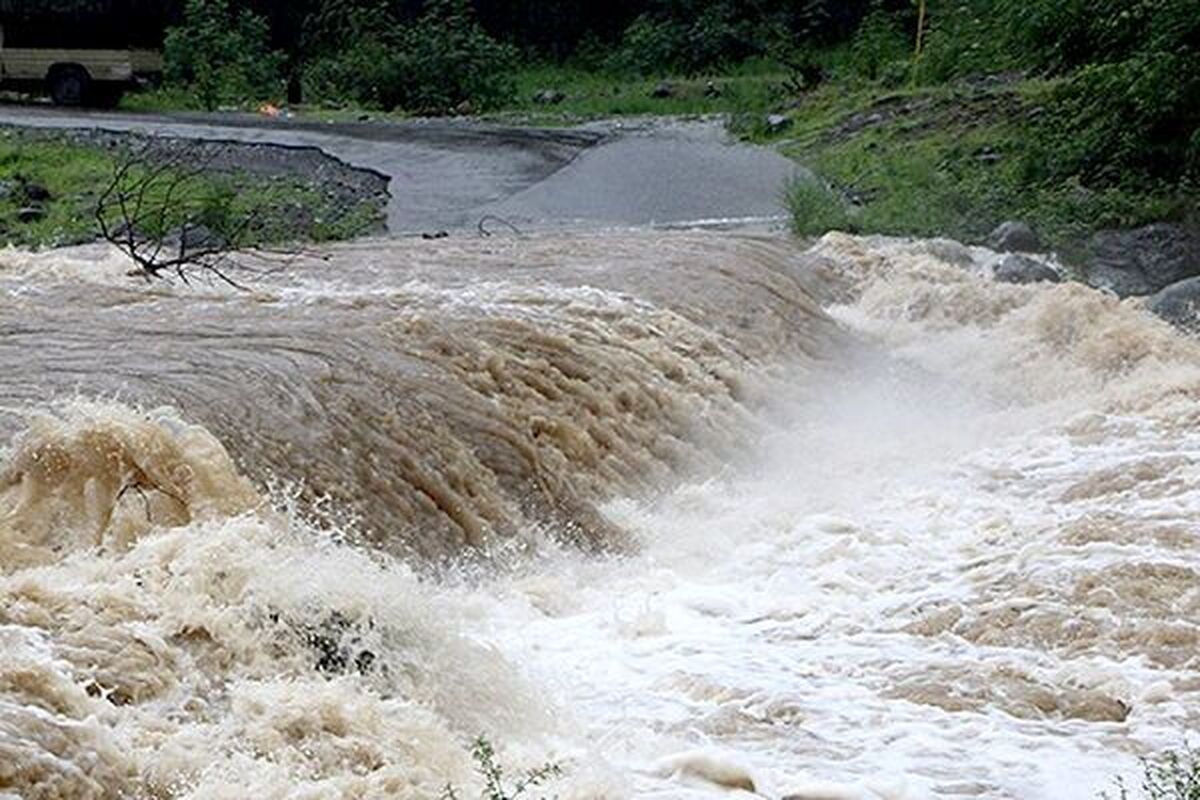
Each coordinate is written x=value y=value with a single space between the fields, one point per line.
x=444 y=391
x=691 y=532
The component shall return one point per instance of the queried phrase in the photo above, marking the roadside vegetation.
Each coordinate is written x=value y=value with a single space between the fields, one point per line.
x=496 y=785
x=52 y=186
x=918 y=116
x=1173 y=775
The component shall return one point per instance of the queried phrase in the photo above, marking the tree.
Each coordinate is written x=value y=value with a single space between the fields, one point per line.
x=222 y=54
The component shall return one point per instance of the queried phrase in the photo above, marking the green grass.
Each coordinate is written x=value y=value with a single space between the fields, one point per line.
x=755 y=86
x=950 y=161
x=76 y=174
x=72 y=175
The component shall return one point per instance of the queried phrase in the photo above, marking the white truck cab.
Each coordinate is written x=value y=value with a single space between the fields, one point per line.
x=76 y=76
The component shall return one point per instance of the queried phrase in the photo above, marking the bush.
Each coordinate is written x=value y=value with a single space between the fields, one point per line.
x=495 y=787
x=816 y=210
x=963 y=38
x=353 y=62
x=650 y=46
x=1130 y=110
x=446 y=58
x=880 y=41
x=690 y=36
x=1172 y=776
x=433 y=65
x=222 y=56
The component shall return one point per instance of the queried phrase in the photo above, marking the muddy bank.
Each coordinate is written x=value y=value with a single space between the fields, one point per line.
x=341 y=187
x=448 y=174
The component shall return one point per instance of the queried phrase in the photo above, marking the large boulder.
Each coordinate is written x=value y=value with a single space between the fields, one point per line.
x=1014 y=237
x=1143 y=260
x=1179 y=304
x=1023 y=269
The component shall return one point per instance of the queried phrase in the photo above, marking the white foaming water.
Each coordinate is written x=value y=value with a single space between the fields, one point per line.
x=959 y=567
x=961 y=562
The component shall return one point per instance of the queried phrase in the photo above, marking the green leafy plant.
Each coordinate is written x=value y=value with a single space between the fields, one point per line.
x=495 y=786
x=443 y=61
x=222 y=55
x=880 y=41
x=1175 y=775
x=815 y=209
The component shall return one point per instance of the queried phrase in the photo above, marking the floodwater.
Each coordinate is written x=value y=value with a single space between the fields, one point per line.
x=691 y=515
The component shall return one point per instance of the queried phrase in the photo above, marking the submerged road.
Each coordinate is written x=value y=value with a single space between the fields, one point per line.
x=448 y=174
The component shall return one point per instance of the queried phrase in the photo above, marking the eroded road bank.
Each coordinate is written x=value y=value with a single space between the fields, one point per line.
x=450 y=174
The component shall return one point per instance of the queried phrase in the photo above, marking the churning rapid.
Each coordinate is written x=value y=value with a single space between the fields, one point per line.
x=691 y=515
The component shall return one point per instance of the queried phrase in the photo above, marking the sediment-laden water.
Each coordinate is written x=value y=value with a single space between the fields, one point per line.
x=633 y=503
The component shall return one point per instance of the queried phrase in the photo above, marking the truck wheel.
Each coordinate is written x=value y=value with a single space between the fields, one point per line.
x=68 y=85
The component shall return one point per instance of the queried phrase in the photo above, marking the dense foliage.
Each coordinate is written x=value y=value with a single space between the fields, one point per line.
x=1125 y=75
x=441 y=61
x=222 y=54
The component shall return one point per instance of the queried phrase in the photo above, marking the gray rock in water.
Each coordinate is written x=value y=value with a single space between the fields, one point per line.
x=549 y=97
x=1179 y=304
x=31 y=214
x=1022 y=269
x=1142 y=260
x=195 y=238
x=778 y=122
x=1014 y=237
x=948 y=250
x=663 y=90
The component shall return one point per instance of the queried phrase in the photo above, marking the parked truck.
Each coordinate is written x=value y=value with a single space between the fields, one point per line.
x=80 y=51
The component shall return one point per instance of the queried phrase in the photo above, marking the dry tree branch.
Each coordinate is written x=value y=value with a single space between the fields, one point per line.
x=162 y=211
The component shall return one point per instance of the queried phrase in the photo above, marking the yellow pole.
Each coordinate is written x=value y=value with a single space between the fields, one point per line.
x=920 y=37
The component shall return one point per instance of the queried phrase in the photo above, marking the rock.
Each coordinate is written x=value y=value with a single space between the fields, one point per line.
x=549 y=97
x=987 y=155
x=1023 y=269
x=663 y=90
x=1143 y=260
x=1014 y=237
x=1179 y=304
x=777 y=123
x=195 y=238
x=464 y=109
x=35 y=192
x=950 y=251
x=30 y=214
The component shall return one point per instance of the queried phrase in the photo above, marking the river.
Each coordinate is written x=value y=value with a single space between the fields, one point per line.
x=688 y=514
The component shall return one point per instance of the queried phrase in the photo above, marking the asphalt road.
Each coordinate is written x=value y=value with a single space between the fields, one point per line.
x=449 y=174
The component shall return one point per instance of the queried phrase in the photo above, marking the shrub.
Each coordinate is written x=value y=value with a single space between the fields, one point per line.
x=963 y=38
x=446 y=58
x=692 y=35
x=492 y=773
x=879 y=42
x=221 y=55
x=433 y=65
x=650 y=46
x=816 y=210
x=1130 y=110
x=1173 y=776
